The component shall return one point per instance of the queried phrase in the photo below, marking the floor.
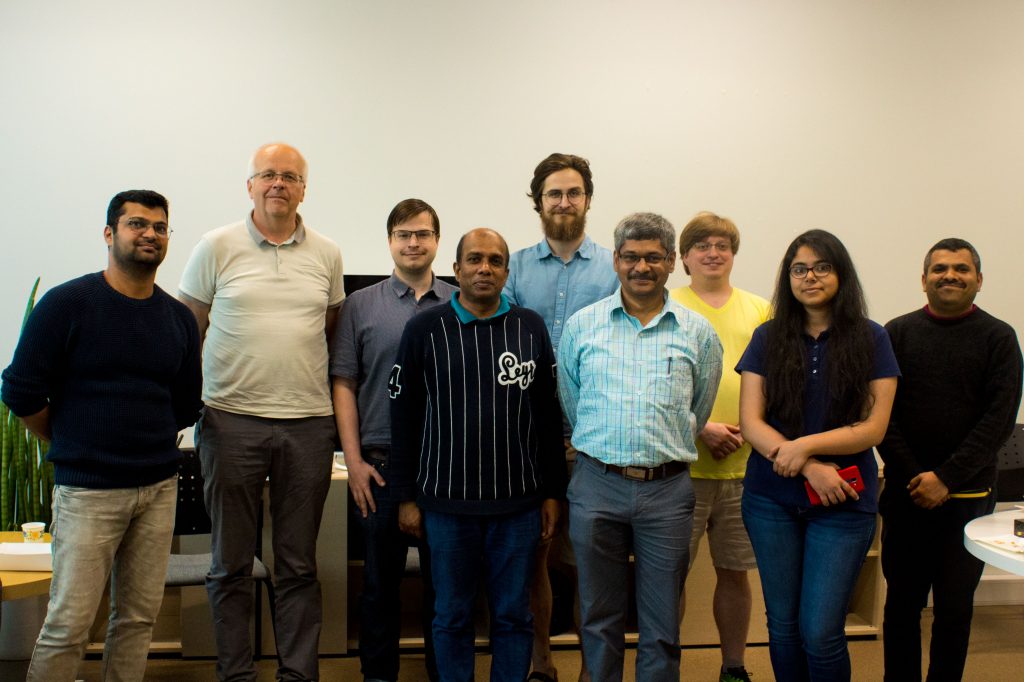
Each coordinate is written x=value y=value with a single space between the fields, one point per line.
x=996 y=653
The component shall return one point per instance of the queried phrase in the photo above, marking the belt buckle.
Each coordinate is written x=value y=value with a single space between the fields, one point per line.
x=636 y=473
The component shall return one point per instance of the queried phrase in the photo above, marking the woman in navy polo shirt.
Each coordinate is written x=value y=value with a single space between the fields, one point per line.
x=817 y=387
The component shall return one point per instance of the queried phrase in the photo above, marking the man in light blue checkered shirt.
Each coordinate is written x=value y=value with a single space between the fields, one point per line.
x=637 y=376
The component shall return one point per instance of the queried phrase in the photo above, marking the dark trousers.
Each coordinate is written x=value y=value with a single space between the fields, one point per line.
x=924 y=550
x=238 y=452
x=380 y=605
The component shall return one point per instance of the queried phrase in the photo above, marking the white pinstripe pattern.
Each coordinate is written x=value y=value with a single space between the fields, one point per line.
x=465 y=471
x=437 y=477
x=501 y=461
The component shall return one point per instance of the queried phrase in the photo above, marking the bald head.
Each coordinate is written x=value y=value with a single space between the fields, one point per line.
x=481 y=268
x=480 y=233
x=276 y=185
x=273 y=150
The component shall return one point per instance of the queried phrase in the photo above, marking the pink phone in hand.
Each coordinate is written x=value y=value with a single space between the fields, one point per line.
x=850 y=474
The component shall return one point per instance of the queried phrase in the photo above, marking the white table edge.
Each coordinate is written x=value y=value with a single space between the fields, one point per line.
x=998 y=523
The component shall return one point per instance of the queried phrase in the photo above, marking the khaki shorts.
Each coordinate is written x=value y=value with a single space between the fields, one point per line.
x=718 y=511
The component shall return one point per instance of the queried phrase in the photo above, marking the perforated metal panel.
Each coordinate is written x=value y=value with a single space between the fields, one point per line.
x=1011 y=456
x=190 y=517
x=1010 y=487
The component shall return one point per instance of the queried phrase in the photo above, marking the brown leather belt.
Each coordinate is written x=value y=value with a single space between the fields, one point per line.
x=642 y=473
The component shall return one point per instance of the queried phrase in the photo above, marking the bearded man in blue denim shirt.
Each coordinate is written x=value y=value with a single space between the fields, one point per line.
x=563 y=272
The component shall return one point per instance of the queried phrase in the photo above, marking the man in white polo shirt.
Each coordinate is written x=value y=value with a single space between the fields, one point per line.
x=265 y=292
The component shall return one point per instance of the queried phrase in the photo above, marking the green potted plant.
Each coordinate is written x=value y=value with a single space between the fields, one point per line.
x=26 y=478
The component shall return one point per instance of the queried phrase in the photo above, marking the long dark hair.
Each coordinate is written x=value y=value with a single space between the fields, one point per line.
x=850 y=344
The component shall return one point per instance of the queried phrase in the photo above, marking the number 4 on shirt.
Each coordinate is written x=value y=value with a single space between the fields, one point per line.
x=394 y=385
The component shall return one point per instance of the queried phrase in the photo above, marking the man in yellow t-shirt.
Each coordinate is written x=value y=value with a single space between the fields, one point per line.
x=707 y=246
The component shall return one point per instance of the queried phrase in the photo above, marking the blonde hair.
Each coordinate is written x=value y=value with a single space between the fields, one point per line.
x=707 y=224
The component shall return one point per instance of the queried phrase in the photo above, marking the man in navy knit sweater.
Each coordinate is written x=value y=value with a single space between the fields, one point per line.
x=107 y=370
x=476 y=441
x=955 y=406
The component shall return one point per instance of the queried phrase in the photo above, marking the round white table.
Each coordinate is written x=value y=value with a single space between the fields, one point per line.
x=999 y=523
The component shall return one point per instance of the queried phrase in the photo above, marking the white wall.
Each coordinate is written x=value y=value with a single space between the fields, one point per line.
x=892 y=124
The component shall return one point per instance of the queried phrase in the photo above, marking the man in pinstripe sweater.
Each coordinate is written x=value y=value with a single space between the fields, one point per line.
x=476 y=441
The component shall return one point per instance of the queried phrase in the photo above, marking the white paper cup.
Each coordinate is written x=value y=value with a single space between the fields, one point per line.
x=33 y=531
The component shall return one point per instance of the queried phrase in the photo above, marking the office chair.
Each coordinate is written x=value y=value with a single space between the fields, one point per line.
x=190 y=518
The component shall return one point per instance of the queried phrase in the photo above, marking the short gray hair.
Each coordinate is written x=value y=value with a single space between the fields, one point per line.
x=644 y=226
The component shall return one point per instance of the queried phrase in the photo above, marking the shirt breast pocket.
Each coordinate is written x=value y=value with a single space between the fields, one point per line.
x=674 y=379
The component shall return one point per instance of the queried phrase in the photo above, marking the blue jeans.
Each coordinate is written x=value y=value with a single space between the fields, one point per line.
x=610 y=516
x=503 y=550
x=809 y=560
x=380 y=605
x=120 y=535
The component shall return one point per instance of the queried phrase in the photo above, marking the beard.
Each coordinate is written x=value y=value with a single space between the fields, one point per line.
x=558 y=228
x=137 y=262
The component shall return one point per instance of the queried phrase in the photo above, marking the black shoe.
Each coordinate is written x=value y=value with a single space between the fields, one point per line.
x=737 y=674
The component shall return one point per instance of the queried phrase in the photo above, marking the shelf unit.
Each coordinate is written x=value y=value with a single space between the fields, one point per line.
x=863 y=620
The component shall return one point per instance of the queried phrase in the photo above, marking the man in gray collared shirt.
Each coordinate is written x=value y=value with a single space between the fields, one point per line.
x=362 y=355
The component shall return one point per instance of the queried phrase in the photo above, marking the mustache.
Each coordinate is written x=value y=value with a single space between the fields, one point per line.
x=646 y=276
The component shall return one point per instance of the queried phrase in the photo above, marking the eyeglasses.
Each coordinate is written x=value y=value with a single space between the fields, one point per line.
x=720 y=247
x=269 y=176
x=406 y=235
x=799 y=271
x=649 y=258
x=574 y=195
x=140 y=225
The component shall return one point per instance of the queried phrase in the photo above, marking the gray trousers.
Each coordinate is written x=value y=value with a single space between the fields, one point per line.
x=609 y=517
x=238 y=453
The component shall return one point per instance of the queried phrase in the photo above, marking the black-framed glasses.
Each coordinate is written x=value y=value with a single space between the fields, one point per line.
x=649 y=258
x=574 y=195
x=269 y=176
x=407 y=235
x=140 y=225
x=799 y=271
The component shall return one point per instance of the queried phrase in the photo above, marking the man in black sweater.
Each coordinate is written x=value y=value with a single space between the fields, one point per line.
x=955 y=406
x=476 y=441
x=107 y=370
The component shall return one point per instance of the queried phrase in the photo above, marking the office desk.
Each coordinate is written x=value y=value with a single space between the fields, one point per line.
x=999 y=523
x=21 y=584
